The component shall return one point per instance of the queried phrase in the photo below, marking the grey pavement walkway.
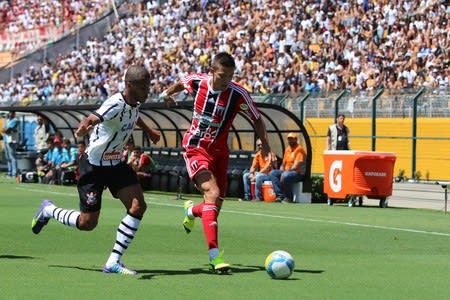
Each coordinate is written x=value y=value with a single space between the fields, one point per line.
x=416 y=195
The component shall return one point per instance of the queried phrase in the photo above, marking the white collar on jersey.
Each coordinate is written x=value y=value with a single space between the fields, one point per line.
x=138 y=103
x=211 y=90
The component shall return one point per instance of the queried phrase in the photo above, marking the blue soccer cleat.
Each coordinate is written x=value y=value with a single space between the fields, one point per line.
x=119 y=268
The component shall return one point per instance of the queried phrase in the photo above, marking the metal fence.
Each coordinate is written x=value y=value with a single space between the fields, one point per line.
x=388 y=103
x=431 y=103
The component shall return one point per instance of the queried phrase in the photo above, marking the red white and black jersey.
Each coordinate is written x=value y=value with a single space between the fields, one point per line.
x=214 y=111
x=109 y=137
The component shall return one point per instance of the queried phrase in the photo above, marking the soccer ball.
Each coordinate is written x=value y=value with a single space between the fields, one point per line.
x=279 y=264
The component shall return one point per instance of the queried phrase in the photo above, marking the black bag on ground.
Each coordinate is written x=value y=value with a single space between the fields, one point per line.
x=29 y=177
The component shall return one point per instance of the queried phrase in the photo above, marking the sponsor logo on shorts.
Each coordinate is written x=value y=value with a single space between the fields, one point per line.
x=244 y=106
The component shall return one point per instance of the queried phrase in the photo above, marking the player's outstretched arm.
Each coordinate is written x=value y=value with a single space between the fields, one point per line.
x=166 y=95
x=154 y=134
x=86 y=125
x=260 y=128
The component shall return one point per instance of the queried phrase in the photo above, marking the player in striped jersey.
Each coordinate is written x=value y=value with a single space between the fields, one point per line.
x=102 y=166
x=217 y=100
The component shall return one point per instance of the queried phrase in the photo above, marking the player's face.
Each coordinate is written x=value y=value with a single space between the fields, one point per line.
x=221 y=77
x=139 y=91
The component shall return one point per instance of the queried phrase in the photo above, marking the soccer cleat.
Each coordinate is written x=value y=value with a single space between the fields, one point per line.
x=188 y=223
x=39 y=220
x=218 y=266
x=119 y=268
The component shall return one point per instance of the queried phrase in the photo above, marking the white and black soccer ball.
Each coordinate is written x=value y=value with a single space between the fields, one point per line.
x=279 y=264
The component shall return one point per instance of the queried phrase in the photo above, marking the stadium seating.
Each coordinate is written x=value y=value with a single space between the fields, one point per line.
x=336 y=53
x=25 y=27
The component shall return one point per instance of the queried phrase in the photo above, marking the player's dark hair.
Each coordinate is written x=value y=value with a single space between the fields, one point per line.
x=223 y=59
x=136 y=74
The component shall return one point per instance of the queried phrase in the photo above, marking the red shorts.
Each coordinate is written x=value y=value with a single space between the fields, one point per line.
x=216 y=161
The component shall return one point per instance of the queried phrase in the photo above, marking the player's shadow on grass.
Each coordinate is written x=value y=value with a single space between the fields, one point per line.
x=77 y=268
x=10 y=256
x=146 y=274
x=149 y=274
x=235 y=269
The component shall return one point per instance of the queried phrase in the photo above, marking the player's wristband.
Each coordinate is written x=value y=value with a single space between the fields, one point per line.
x=163 y=95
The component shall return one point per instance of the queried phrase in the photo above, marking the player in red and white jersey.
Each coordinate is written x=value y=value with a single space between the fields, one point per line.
x=101 y=166
x=217 y=100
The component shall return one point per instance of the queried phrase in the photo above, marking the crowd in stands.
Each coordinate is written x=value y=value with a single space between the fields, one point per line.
x=26 y=25
x=279 y=47
x=22 y=15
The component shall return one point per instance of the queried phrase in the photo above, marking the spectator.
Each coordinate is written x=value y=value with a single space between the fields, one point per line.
x=128 y=151
x=66 y=172
x=10 y=139
x=41 y=135
x=43 y=162
x=59 y=157
x=81 y=145
x=258 y=173
x=291 y=170
x=141 y=163
x=338 y=135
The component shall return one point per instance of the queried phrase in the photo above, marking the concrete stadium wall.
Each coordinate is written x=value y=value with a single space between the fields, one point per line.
x=394 y=135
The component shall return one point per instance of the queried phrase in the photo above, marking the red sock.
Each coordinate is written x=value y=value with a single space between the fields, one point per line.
x=197 y=210
x=209 y=221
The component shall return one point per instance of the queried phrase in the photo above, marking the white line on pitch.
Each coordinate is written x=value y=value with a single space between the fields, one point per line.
x=268 y=216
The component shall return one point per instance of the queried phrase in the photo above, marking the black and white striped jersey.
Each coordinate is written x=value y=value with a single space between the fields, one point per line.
x=109 y=137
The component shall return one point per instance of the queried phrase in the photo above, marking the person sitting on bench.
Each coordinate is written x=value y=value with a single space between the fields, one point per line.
x=290 y=170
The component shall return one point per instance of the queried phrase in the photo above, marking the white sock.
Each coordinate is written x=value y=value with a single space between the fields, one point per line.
x=63 y=216
x=189 y=213
x=125 y=234
x=48 y=211
x=213 y=253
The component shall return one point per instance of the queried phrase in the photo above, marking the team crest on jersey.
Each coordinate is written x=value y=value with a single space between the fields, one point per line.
x=244 y=106
x=91 y=198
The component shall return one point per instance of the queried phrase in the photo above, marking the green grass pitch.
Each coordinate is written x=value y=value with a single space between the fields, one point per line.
x=340 y=252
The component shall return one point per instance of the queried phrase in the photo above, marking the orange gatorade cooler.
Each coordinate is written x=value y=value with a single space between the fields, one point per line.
x=350 y=175
x=268 y=192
